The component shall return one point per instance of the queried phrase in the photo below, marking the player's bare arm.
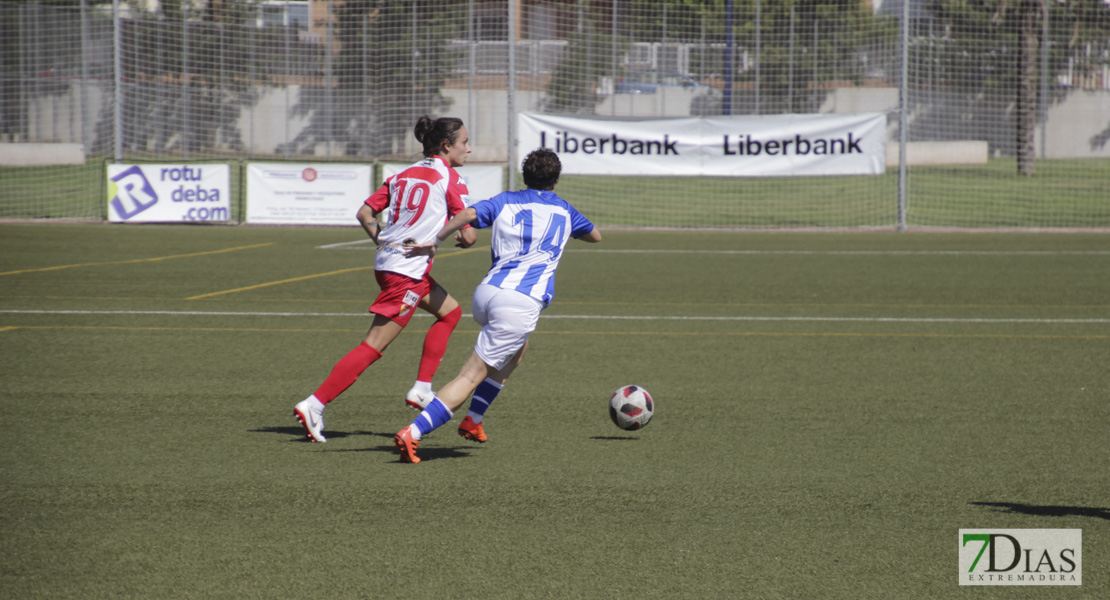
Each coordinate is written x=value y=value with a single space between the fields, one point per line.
x=466 y=237
x=369 y=221
x=593 y=237
x=459 y=221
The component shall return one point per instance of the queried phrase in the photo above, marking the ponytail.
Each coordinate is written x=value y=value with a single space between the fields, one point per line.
x=432 y=133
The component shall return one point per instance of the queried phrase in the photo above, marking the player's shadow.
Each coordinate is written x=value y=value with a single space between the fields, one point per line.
x=427 y=453
x=618 y=438
x=296 y=433
x=1048 y=510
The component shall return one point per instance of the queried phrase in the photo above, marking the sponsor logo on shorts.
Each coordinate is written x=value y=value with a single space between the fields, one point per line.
x=408 y=302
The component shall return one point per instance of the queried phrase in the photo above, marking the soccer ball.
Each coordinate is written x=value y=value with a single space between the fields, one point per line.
x=631 y=407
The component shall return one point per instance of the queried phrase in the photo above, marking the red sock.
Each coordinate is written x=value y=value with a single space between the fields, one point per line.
x=346 y=371
x=435 y=344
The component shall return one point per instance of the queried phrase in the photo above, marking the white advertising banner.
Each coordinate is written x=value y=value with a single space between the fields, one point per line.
x=744 y=146
x=482 y=181
x=169 y=193
x=306 y=194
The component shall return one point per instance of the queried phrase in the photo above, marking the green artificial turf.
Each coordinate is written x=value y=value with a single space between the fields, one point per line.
x=831 y=410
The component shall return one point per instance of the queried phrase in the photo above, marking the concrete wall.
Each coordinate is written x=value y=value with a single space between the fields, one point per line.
x=1070 y=133
x=38 y=155
x=937 y=153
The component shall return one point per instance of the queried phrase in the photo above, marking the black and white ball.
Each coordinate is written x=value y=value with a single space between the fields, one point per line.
x=631 y=407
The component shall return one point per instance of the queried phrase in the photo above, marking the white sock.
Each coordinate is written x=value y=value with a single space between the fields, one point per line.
x=416 y=435
x=422 y=387
x=477 y=418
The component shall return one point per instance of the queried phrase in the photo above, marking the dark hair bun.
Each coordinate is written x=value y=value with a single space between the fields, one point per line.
x=434 y=133
x=423 y=127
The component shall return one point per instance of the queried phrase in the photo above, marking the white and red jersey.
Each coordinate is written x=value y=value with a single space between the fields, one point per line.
x=420 y=200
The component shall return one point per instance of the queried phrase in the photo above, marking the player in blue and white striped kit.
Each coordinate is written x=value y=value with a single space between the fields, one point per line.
x=530 y=229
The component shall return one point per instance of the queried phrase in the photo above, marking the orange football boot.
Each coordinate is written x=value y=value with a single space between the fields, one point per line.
x=472 y=431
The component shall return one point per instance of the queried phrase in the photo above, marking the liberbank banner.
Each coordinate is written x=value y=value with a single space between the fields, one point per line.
x=744 y=146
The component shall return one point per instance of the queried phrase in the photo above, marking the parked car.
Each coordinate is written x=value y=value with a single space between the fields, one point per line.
x=648 y=81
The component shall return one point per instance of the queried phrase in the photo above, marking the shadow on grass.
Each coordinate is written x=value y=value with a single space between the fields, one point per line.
x=619 y=438
x=1048 y=510
x=427 y=453
x=297 y=432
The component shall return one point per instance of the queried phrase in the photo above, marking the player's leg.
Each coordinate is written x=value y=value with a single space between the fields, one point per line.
x=447 y=313
x=310 y=411
x=455 y=392
x=484 y=395
x=441 y=409
x=508 y=319
x=347 y=370
x=471 y=426
x=392 y=310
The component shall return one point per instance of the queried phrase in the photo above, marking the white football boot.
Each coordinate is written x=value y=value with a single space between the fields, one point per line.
x=418 y=400
x=310 y=412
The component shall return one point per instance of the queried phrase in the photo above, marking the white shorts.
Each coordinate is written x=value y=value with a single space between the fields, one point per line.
x=507 y=318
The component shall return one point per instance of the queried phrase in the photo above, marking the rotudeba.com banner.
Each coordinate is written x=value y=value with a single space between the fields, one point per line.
x=169 y=193
x=740 y=146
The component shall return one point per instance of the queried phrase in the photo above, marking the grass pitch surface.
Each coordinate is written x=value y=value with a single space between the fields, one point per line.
x=831 y=410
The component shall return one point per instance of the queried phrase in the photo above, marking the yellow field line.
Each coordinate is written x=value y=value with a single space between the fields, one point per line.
x=615 y=333
x=283 y=281
x=137 y=260
x=306 y=277
x=828 y=305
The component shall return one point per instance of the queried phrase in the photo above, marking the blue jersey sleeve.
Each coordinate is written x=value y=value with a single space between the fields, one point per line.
x=487 y=211
x=579 y=224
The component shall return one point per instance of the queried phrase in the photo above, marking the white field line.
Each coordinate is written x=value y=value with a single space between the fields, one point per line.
x=737 y=318
x=863 y=252
x=367 y=245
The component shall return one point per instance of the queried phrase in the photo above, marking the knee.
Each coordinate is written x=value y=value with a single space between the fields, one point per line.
x=452 y=317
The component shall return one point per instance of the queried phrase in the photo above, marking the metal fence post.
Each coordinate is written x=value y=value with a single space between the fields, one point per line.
x=903 y=114
x=117 y=117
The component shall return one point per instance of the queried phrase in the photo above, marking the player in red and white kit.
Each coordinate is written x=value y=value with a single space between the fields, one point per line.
x=419 y=200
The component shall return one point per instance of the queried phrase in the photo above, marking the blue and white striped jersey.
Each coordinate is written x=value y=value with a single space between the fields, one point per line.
x=530 y=230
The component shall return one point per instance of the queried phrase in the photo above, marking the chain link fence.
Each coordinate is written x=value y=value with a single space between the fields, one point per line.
x=998 y=112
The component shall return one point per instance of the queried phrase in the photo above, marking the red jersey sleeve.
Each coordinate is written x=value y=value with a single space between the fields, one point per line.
x=379 y=200
x=458 y=196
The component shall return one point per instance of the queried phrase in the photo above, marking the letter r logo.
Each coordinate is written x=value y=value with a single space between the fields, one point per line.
x=131 y=193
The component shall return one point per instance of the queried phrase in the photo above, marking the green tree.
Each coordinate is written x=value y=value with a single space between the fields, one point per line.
x=992 y=55
x=790 y=51
x=391 y=60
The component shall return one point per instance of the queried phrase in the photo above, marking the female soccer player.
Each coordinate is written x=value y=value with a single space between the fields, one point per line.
x=530 y=230
x=421 y=199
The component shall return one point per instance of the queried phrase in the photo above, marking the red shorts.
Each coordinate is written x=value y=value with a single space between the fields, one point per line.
x=400 y=295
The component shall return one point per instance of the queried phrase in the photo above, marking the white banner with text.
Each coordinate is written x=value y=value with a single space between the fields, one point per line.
x=741 y=146
x=306 y=194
